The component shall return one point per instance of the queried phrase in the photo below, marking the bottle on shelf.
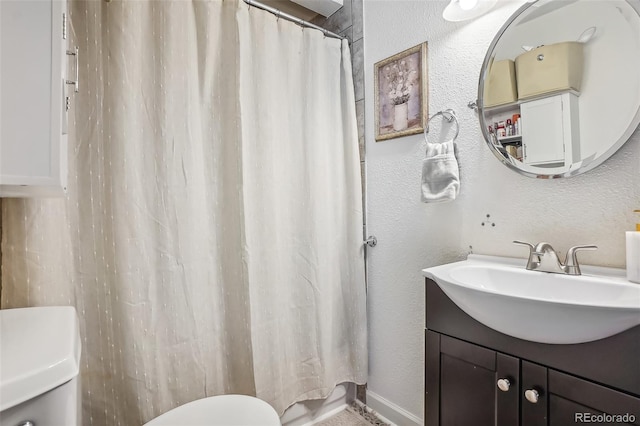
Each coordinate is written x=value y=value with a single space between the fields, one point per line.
x=516 y=124
x=494 y=139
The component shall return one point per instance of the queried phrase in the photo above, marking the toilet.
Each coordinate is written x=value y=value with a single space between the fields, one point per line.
x=40 y=378
x=39 y=366
x=222 y=410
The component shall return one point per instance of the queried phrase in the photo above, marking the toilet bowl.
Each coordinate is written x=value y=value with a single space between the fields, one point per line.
x=222 y=410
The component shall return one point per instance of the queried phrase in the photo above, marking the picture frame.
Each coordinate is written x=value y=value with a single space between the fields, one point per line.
x=401 y=93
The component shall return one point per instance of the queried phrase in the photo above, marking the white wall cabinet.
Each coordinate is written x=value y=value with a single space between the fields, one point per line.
x=34 y=98
x=550 y=130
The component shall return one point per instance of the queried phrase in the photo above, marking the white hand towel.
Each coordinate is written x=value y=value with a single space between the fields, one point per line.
x=440 y=174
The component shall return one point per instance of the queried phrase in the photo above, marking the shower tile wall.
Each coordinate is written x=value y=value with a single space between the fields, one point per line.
x=0 y=244
x=347 y=21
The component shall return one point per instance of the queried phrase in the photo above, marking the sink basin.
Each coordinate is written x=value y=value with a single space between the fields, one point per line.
x=540 y=306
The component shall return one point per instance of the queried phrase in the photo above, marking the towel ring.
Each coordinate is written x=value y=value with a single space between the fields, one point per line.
x=447 y=114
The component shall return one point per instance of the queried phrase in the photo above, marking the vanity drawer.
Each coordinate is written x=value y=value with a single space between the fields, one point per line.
x=573 y=400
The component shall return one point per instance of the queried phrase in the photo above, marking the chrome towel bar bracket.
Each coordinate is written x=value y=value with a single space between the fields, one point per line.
x=447 y=114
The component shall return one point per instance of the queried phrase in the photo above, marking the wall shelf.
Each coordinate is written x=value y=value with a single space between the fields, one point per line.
x=507 y=140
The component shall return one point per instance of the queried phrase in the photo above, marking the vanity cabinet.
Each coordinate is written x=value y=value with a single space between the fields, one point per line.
x=550 y=130
x=477 y=376
x=35 y=96
x=467 y=375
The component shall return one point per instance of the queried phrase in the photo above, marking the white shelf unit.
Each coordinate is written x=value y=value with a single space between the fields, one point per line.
x=551 y=131
x=548 y=126
x=34 y=98
x=510 y=139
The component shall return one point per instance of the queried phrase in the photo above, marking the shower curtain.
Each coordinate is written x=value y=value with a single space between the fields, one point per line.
x=211 y=238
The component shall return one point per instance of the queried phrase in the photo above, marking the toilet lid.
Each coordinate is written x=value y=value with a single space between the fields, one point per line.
x=222 y=410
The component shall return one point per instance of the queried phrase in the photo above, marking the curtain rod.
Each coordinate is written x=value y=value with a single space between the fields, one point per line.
x=284 y=15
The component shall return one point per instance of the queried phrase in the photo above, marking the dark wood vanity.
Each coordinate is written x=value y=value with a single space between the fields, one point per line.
x=540 y=384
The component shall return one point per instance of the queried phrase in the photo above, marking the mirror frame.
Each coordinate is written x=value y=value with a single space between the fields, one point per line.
x=532 y=171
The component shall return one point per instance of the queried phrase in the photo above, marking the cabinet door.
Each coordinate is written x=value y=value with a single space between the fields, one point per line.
x=573 y=401
x=32 y=106
x=543 y=131
x=533 y=395
x=508 y=395
x=462 y=384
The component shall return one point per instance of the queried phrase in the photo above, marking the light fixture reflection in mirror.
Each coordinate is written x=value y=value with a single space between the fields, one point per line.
x=462 y=10
x=559 y=89
x=468 y=4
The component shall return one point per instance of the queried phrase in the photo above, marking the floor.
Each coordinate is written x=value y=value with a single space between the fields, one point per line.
x=354 y=415
x=345 y=418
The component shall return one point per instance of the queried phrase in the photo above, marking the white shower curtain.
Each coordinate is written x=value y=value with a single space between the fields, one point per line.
x=211 y=238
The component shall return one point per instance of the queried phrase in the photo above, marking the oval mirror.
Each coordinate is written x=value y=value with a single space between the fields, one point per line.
x=559 y=88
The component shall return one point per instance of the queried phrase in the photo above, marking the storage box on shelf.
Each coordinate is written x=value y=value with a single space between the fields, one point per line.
x=550 y=69
x=500 y=87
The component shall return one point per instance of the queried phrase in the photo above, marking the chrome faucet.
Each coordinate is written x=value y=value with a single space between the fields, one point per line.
x=542 y=257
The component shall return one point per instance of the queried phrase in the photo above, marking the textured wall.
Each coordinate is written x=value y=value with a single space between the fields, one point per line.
x=592 y=208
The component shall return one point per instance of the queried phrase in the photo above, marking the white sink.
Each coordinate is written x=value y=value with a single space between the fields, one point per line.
x=540 y=306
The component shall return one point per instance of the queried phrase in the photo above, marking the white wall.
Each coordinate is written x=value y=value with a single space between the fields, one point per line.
x=595 y=207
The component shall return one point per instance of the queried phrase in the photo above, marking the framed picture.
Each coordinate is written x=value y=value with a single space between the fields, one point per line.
x=401 y=104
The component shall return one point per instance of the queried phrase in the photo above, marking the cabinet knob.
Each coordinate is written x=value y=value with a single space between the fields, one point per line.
x=532 y=395
x=504 y=384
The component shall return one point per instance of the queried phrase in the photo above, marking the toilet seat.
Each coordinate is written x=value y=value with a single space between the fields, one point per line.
x=222 y=410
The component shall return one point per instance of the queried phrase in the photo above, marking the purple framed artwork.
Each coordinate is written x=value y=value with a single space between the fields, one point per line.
x=401 y=93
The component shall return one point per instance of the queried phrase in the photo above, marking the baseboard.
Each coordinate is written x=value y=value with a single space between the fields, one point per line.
x=307 y=413
x=390 y=412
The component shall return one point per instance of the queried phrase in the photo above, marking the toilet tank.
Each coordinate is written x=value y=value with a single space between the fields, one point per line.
x=39 y=366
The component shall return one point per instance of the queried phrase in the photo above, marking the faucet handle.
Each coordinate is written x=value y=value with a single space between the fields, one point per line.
x=532 y=251
x=571 y=261
x=531 y=246
x=571 y=253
